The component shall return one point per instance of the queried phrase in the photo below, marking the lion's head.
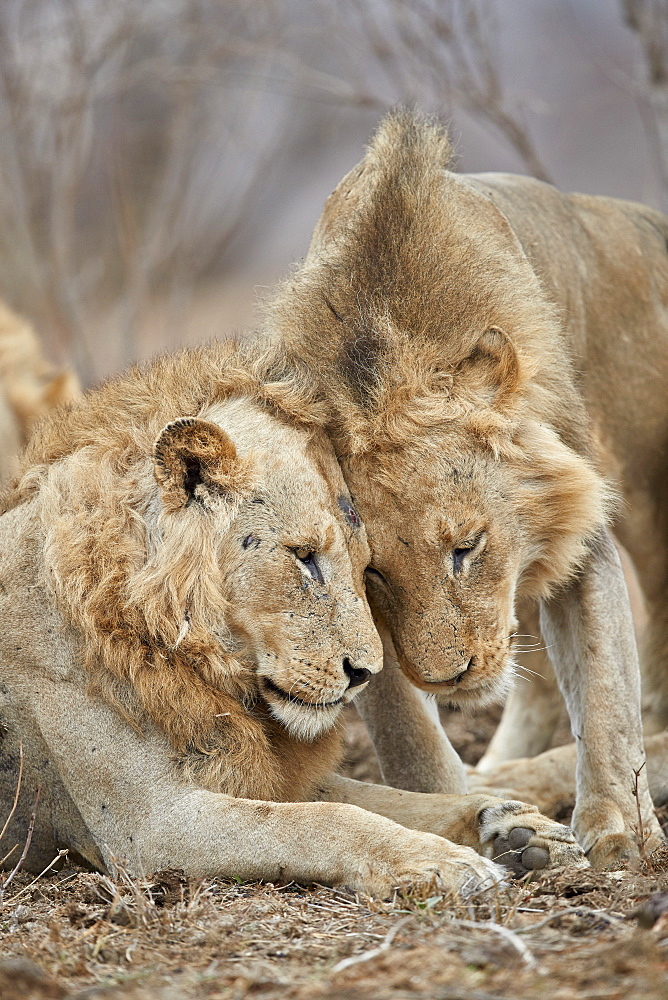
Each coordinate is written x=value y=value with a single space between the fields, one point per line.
x=454 y=410
x=201 y=539
x=458 y=534
x=291 y=555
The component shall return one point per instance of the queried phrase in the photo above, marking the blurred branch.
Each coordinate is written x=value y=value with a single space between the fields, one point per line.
x=139 y=135
x=442 y=54
x=649 y=19
x=119 y=121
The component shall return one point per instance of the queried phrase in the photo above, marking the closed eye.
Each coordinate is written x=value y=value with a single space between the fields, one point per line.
x=374 y=574
x=460 y=553
x=307 y=559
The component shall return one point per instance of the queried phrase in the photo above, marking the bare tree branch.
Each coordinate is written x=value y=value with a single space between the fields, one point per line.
x=649 y=19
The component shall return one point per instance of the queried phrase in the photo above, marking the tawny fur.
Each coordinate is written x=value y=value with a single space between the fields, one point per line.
x=184 y=550
x=128 y=602
x=407 y=350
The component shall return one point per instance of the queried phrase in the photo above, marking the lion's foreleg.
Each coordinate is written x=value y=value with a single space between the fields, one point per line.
x=141 y=811
x=589 y=632
x=412 y=748
x=508 y=831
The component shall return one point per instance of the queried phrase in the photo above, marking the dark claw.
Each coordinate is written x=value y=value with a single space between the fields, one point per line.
x=535 y=858
x=520 y=836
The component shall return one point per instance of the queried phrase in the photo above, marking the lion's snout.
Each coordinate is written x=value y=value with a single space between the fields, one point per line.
x=457 y=673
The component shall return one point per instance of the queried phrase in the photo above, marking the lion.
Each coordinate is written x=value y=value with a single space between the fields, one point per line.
x=446 y=320
x=29 y=387
x=183 y=619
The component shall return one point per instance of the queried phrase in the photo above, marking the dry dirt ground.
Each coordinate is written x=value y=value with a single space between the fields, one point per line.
x=74 y=934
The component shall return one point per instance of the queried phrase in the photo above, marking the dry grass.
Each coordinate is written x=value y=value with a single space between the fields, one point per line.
x=77 y=934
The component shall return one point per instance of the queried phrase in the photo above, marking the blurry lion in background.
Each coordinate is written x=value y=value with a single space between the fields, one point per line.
x=29 y=387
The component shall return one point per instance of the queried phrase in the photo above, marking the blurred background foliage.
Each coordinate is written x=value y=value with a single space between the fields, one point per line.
x=163 y=160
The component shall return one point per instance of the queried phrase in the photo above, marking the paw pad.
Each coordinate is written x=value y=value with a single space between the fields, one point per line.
x=509 y=851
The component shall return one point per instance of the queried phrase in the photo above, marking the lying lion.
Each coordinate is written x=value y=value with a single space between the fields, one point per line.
x=183 y=618
x=442 y=318
x=29 y=387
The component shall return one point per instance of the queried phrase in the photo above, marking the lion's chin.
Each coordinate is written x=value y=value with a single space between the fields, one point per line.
x=302 y=719
x=303 y=723
x=483 y=692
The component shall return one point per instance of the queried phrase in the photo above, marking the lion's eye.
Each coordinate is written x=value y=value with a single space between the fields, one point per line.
x=463 y=550
x=458 y=556
x=306 y=557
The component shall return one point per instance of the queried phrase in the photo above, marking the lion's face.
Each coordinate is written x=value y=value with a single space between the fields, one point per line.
x=294 y=577
x=292 y=561
x=444 y=578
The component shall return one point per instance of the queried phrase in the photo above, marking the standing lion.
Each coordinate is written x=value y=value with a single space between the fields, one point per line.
x=445 y=320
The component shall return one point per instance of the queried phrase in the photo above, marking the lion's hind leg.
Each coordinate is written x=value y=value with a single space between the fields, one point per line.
x=548 y=780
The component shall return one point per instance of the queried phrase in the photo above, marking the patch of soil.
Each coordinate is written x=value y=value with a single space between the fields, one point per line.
x=73 y=935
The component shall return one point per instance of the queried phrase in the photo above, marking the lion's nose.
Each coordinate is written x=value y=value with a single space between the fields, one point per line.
x=459 y=673
x=355 y=675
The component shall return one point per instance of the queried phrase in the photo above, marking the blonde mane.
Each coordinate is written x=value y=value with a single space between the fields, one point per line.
x=387 y=330
x=418 y=314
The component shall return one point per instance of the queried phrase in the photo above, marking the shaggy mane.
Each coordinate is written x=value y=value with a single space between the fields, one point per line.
x=397 y=289
x=418 y=314
x=124 y=415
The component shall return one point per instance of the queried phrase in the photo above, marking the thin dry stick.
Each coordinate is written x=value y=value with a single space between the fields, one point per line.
x=26 y=847
x=16 y=794
x=641 y=836
x=504 y=932
x=578 y=911
x=8 y=855
x=62 y=853
x=366 y=956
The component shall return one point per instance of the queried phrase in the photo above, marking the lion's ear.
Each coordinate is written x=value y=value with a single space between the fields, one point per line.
x=492 y=369
x=196 y=461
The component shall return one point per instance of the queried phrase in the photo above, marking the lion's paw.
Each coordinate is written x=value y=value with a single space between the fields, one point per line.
x=614 y=851
x=518 y=836
x=435 y=863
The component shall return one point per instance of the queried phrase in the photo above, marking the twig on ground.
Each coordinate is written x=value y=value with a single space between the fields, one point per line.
x=641 y=836
x=578 y=911
x=62 y=853
x=26 y=847
x=504 y=932
x=366 y=956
